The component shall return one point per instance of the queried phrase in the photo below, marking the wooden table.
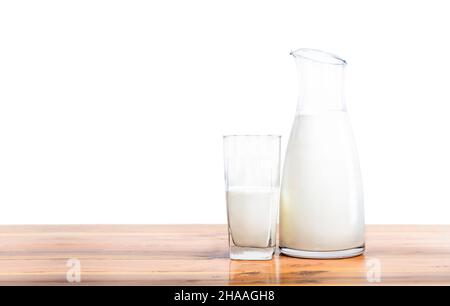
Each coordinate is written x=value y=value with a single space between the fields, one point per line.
x=198 y=255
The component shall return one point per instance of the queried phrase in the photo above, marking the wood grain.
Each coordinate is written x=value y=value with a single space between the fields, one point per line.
x=198 y=255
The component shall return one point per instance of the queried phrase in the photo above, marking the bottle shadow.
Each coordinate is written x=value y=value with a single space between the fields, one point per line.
x=284 y=270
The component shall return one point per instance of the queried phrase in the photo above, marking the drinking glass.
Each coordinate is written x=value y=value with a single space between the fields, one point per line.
x=252 y=186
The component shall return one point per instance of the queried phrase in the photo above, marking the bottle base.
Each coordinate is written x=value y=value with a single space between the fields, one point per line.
x=323 y=254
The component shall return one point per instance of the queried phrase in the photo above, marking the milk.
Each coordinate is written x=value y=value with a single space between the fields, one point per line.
x=321 y=205
x=252 y=215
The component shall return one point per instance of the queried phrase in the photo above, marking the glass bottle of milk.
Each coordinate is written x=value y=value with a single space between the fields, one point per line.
x=321 y=209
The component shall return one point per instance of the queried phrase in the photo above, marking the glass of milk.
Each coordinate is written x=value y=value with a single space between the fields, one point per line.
x=252 y=185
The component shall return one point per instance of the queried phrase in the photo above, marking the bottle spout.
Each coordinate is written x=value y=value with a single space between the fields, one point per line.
x=318 y=56
x=321 y=81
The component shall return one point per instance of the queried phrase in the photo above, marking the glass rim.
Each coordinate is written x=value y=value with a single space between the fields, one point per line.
x=252 y=135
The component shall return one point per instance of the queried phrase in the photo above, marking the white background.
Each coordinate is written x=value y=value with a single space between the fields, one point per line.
x=114 y=111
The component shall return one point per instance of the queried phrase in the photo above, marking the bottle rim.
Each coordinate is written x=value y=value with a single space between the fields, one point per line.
x=318 y=56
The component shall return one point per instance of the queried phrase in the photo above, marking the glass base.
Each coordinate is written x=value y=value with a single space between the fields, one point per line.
x=248 y=253
x=324 y=254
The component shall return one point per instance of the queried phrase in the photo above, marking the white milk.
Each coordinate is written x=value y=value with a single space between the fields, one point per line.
x=321 y=196
x=252 y=215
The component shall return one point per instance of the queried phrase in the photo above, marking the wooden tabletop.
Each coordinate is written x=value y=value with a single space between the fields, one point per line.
x=198 y=255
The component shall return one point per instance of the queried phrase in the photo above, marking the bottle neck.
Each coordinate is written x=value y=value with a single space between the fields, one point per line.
x=321 y=86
